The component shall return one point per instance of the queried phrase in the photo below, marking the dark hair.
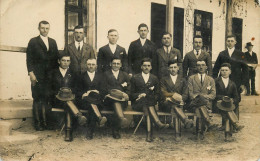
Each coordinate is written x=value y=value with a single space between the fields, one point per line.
x=230 y=36
x=142 y=25
x=115 y=57
x=166 y=33
x=43 y=22
x=111 y=30
x=226 y=65
x=172 y=62
x=78 y=27
x=63 y=54
x=197 y=36
x=146 y=60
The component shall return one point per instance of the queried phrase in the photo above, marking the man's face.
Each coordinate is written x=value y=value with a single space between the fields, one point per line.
x=143 y=32
x=197 y=44
x=91 y=65
x=116 y=64
x=225 y=72
x=231 y=42
x=44 y=29
x=166 y=40
x=250 y=48
x=79 y=34
x=201 y=67
x=173 y=69
x=64 y=62
x=146 y=67
x=113 y=37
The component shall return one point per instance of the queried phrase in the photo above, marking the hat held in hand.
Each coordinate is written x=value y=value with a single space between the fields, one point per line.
x=226 y=104
x=199 y=101
x=117 y=95
x=176 y=99
x=93 y=98
x=65 y=94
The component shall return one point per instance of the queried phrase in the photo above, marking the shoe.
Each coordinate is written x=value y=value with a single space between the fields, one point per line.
x=102 y=121
x=68 y=135
x=228 y=137
x=116 y=134
x=248 y=94
x=123 y=122
x=162 y=126
x=89 y=135
x=149 y=137
x=82 y=120
x=254 y=93
x=239 y=127
x=177 y=138
x=38 y=127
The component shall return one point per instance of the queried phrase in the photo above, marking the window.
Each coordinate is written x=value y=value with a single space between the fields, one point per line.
x=203 y=27
x=75 y=14
x=237 y=25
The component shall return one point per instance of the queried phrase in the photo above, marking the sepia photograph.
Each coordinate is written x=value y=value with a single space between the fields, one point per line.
x=129 y=80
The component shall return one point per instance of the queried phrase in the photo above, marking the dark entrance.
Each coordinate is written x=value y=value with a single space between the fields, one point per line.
x=237 y=27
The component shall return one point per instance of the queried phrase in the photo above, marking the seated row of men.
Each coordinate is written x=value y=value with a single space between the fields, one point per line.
x=114 y=88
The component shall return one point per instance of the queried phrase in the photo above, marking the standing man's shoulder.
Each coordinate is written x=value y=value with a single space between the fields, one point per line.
x=134 y=42
x=87 y=46
x=175 y=50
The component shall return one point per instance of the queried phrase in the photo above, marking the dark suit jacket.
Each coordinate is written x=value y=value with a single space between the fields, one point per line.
x=239 y=68
x=112 y=83
x=105 y=56
x=39 y=60
x=137 y=52
x=168 y=88
x=79 y=59
x=190 y=62
x=151 y=89
x=164 y=58
x=230 y=91
x=57 y=81
x=251 y=59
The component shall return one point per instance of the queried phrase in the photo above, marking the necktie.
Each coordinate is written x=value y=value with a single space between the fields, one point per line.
x=197 y=53
x=201 y=81
x=79 y=47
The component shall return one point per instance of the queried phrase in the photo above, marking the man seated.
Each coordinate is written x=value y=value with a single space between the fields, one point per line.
x=201 y=91
x=117 y=88
x=61 y=82
x=226 y=88
x=145 y=91
x=92 y=95
x=172 y=88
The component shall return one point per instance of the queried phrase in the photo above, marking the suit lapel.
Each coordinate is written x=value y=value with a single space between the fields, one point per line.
x=171 y=84
x=202 y=54
x=197 y=80
x=205 y=82
x=42 y=43
x=75 y=51
x=108 y=50
x=163 y=54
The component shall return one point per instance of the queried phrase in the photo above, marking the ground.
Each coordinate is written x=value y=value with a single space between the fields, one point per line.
x=51 y=147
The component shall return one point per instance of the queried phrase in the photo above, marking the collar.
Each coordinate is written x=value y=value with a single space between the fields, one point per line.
x=174 y=78
x=112 y=45
x=145 y=75
x=79 y=43
x=231 y=50
x=195 y=51
x=64 y=70
x=115 y=72
x=165 y=48
x=203 y=75
x=44 y=38
x=91 y=73
x=142 y=40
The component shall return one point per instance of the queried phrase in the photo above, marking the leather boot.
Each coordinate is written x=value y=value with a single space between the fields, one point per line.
x=82 y=120
x=37 y=122
x=156 y=118
x=102 y=119
x=187 y=123
x=149 y=129
x=68 y=135
x=119 y=112
x=68 y=132
x=44 y=122
x=89 y=135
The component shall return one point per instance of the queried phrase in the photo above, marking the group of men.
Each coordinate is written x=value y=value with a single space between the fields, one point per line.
x=75 y=79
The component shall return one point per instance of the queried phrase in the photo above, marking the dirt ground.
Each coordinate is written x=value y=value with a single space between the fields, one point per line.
x=51 y=147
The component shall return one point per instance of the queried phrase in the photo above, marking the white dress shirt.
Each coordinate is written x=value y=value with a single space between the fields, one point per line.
x=230 y=51
x=195 y=52
x=225 y=81
x=165 y=49
x=112 y=47
x=203 y=77
x=115 y=73
x=142 y=41
x=46 y=41
x=145 y=77
x=63 y=71
x=174 y=78
x=77 y=44
x=91 y=75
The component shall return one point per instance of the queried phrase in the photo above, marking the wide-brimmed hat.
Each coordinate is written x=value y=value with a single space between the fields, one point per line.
x=226 y=104
x=116 y=95
x=198 y=101
x=93 y=98
x=176 y=99
x=249 y=44
x=65 y=94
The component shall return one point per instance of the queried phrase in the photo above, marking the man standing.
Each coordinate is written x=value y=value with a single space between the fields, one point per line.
x=252 y=62
x=139 y=49
x=191 y=58
x=79 y=51
x=107 y=52
x=167 y=54
x=41 y=57
x=239 y=68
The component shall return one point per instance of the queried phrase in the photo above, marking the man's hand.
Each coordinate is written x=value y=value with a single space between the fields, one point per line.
x=140 y=96
x=33 y=78
x=130 y=74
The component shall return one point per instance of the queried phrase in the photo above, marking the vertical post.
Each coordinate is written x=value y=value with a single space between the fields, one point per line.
x=229 y=18
x=91 y=28
x=169 y=16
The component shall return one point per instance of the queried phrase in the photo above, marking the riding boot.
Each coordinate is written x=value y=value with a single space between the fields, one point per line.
x=187 y=122
x=149 y=129
x=37 y=122
x=44 y=122
x=68 y=131
x=156 y=118
x=82 y=120
x=234 y=120
x=102 y=119
x=119 y=112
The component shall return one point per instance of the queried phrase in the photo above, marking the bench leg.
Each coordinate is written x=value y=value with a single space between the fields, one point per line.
x=138 y=125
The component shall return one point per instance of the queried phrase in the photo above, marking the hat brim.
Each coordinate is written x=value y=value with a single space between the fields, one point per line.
x=225 y=108
x=175 y=102
x=116 y=99
x=72 y=97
